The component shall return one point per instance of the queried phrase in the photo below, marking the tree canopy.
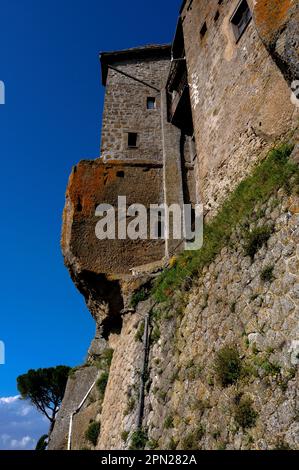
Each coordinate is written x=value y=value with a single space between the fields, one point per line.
x=44 y=388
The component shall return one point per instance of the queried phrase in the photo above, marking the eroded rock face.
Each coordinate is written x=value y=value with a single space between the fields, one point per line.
x=277 y=25
x=101 y=268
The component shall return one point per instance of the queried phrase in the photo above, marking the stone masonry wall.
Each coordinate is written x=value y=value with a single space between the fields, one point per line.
x=125 y=110
x=240 y=100
x=230 y=305
x=277 y=24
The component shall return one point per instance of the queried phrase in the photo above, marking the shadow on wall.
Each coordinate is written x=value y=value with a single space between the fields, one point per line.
x=102 y=295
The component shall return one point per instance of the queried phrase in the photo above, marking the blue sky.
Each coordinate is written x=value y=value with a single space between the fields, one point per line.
x=20 y=424
x=52 y=117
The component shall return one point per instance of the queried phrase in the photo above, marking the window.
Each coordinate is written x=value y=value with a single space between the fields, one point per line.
x=120 y=174
x=203 y=30
x=160 y=229
x=216 y=17
x=151 y=103
x=132 y=139
x=241 y=19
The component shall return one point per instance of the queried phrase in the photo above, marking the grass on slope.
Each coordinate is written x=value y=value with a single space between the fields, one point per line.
x=269 y=176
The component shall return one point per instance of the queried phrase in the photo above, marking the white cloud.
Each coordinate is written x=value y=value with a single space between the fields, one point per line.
x=22 y=443
x=21 y=425
x=8 y=400
x=25 y=410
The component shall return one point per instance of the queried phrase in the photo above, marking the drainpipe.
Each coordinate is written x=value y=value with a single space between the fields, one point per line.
x=69 y=440
x=144 y=370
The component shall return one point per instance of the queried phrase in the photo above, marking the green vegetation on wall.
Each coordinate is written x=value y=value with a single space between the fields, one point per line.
x=274 y=172
x=92 y=432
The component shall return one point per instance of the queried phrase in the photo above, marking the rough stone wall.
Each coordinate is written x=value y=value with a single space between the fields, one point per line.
x=77 y=386
x=116 y=411
x=125 y=110
x=277 y=24
x=229 y=304
x=94 y=182
x=120 y=406
x=240 y=101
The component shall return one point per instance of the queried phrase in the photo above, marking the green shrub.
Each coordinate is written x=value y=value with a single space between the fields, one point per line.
x=138 y=440
x=216 y=434
x=92 y=432
x=140 y=332
x=175 y=376
x=222 y=445
x=155 y=335
x=168 y=423
x=200 y=432
x=130 y=406
x=256 y=239
x=267 y=274
x=107 y=356
x=162 y=395
x=104 y=361
x=191 y=440
x=228 y=366
x=245 y=415
x=193 y=371
x=153 y=444
x=139 y=296
x=270 y=368
x=102 y=384
x=42 y=443
x=172 y=444
x=124 y=436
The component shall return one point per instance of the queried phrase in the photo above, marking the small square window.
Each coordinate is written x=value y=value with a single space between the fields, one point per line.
x=132 y=139
x=240 y=19
x=203 y=30
x=151 y=103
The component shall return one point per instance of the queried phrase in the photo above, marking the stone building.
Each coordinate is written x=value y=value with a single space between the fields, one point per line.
x=240 y=100
x=182 y=124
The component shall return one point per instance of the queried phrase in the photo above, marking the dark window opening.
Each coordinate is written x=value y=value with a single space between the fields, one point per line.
x=79 y=207
x=216 y=17
x=151 y=103
x=160 y=229
x=240 y=19
x=120 y=174
x=220 y=2
x=132 y=139
x=203 y=30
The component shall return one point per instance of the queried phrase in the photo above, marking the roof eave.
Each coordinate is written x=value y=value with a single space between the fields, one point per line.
x=107 y=58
